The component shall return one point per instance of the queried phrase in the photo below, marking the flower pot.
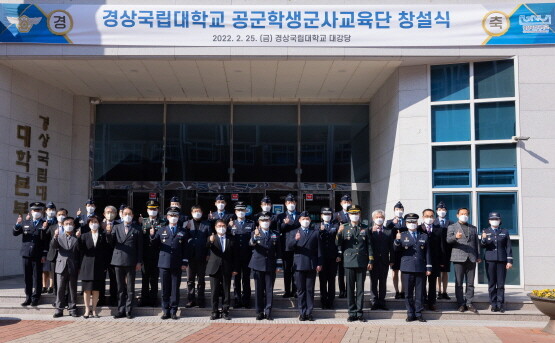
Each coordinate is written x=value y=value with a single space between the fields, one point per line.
x=547 y=307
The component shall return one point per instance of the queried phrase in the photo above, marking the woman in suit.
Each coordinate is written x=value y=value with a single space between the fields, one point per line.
x=93 y=266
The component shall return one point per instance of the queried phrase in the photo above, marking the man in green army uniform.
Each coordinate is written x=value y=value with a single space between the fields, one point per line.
x=353 y=240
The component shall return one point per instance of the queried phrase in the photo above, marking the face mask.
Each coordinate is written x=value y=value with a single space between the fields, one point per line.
x=428 y=221
x=197 y=215
x=463 y=218
x=152 y=213
x=68 y=228
x=494 y=223
x=220 y=206
x=345 y=206
x=127 y=218
x=291 y=207
x=412 y=226
x=442 y=214
x=173 y=220
x=51 y=214
x=265 y=225
x=220 y=230
x=60 y=218
x=121 y=214
x=36 y=215
x=240 y=214
x=90 y=209
x=378 y=221
x=305 y=223
x=326 y=218
x=266 y=208
x=354 y=218
x=94 y=226
x=399 y=214
x=110 y=216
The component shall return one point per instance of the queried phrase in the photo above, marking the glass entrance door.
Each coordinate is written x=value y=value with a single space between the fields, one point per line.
x=314 y=201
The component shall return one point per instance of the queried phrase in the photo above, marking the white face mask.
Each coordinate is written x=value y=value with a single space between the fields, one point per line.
x=412 y=226
x=36 y=215
x=266 y=208
x=173 y=220
x=441 y=214
x=428 y=221
x=60 y=218
x=326 y=218
x=240 y=214
x=345 y=206
x=90 y=209
x=94 y=226
x=291 y=207
x=152 y=213
x=197 y=215
x=399 y=214
x=110 y=216
x=127 y=218
x=220 y=206
x=354 y=217
x=265 y=225
x=494 y=223
x=68 y=228
x=378 y=221
x=221 y=230
x=51 y=214
x=463 y=218
x=305 y=223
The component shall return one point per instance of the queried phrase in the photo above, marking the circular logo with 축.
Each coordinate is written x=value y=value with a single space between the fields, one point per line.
x=496 y=23
x=60 y=22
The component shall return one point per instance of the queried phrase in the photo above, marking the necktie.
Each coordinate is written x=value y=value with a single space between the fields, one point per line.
x=35 y=223
x=414 y=235
x=126 y=229
x=429 y=229
x=241 y=224
x=222 y=243
x=173 y=230
x=442 y=222
x=221 y=214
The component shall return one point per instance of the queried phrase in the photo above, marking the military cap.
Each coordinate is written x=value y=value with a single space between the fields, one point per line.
x=346 y=197
x=441 y=205
x=411 y=217
x=264 y=216
x=398 y=205
x=326 y=210
x=353 y=209
x=36 y=206
x=290 y=197
x=239 y=205
x=152 y=204
x=304 y=214
x=90 y=202
x=122 y=207
x=494 y=215
x=220 y=197
x=174 y=199
x=50 y=205
x=266 y=200
x=172 y=210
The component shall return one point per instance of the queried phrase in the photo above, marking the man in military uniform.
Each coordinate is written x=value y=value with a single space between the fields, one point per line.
x=286 y=223
x=416 y=263
x=436 y=247
x=397 y=225
x=33 y=233
x=266 y=207
x=263 y=263
x=445 y=267
x=327 y=230
x=198 y=232
x=342 y=217
x=382 y=246
x=353 y=240
x=171 y=241
x=183 y=218
x=241 y=232
x=150 y=271
x=82 y=219
x=499 y=258
x=220 y=213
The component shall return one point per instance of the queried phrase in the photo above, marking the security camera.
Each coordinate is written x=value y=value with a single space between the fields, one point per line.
x=95 y=101
x=520 y=138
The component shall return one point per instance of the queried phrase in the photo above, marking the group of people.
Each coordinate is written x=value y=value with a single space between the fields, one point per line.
x=230 y=247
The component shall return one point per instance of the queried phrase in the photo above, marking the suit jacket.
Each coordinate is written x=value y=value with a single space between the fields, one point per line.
x=467 y=247
x=68 y=253
x=33 y=238
x=382 y=246
x=266 y=251
x=52 y=253
x=436 y=246
x=285 y=229
x=327 y=240
x=227 y=216
x=341 y=217
x=355 y=244
x=225 y=261
x=173 y=247
x=497 y=245
x=196 y=240
x=307 y=250
x=415 y=253
x=128 y=248
x=446 y=257
x=93 y=260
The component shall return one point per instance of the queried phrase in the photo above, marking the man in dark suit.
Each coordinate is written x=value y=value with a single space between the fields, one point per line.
x=435 y=244
x=264 y=264
x=110 y=215
x=61 y=214
x=241 y=232
x=307 y=260
x=327 y=230
x=171 y=241
x=286 y=223
x=198 y=232
x=342 y=217
x=382 y=247
x=222 y=266
x=397 y=224
x=499 y=259
x=465 y=254
x=33 y=235
x=82 y=219
x=127 y=258
x=416 y=264
x=445 y=266
x=67 y=267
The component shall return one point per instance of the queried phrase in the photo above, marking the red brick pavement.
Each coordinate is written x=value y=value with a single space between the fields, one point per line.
x=261 y=333
x=522 y=335
x=14 y=329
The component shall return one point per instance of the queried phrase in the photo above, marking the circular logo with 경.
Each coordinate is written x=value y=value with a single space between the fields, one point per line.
x=496 y=23
x=60 y=22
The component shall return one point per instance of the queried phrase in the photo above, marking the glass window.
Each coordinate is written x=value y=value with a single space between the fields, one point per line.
x=451 y=166
x=453 y=201
x=495 y=120
x=494 y=79
x=505 y=204
x=450 y=82
x=496 y=165
x=334 y=143
x=513 y=275
x=265 y=143
x=197 y=142
x=450 y=123
x=128 y=142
